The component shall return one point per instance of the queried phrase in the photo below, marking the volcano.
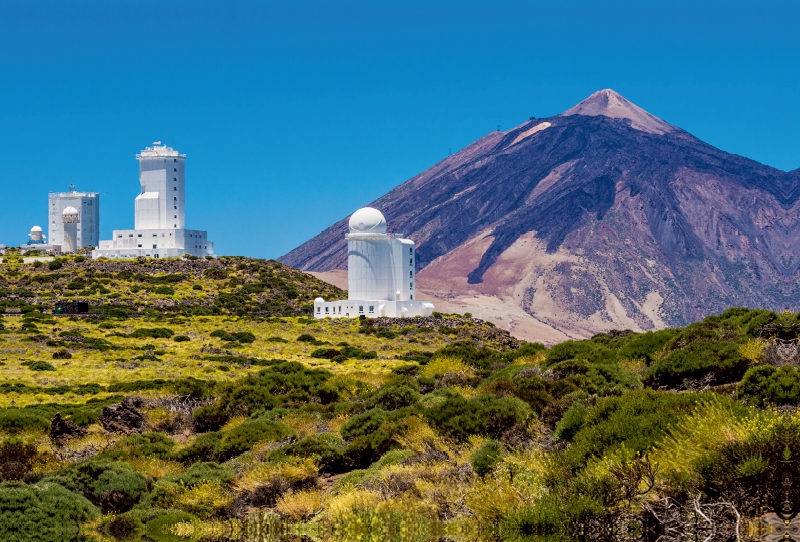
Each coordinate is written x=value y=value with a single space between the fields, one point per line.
x=603 y=217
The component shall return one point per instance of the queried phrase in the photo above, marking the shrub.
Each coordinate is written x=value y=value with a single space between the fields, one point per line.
x=485 y=458
x=242 y=437
x=635 y=420
x=306 y=338
x=14 y=419
x=393 y=397
x=214 y=472
x=326 y=353
x=41 y=366
x=42 y=512
x=154 y=333
x=197 y=287
x=52 y=265
x=483 y=415
x=386 y=334
x=698 y=359
x=164 y=290
x=764 y=385
x=181 y=338
x=113 y=487
x=276 y=340
x=244 y=337
x=364 y=423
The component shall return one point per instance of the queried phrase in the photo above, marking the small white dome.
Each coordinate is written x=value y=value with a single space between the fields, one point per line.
x=319 y=300
x=36 y=229
x=367 y=220
x=71 y=211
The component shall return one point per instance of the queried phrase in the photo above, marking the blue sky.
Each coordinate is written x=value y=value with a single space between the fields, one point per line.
x=294 y=114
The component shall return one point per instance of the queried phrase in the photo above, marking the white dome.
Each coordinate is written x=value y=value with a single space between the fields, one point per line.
x=367 y=220
x=71 y=211
x=36 y=229
x=319 y=300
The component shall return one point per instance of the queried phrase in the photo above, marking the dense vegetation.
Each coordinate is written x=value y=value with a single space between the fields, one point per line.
x=184 y=426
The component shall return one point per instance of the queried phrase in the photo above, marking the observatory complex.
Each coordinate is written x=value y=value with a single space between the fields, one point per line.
x=380 y=273
x=160 y=212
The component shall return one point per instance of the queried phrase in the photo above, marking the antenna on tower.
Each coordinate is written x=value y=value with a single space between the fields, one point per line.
x=498 y=127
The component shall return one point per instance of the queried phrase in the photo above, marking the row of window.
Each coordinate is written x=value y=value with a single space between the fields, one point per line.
x=360 y=309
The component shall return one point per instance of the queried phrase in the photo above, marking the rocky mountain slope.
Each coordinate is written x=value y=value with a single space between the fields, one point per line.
x=602 y=217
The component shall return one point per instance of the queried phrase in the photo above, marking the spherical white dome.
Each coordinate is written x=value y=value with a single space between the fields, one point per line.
x=36 y=229
x=367 y=220
x=319 y=299
x=71 y=211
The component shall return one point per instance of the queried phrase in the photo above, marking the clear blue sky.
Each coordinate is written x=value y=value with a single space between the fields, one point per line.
x=293 y=114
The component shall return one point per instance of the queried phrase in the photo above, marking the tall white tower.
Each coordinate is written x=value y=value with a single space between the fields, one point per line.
x=70 y=218
x=159 y=213
x=160 y=205
x=380 y=273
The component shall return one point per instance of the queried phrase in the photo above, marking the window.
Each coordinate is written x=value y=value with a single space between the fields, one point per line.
x=174 y=169
x=175 y=198
x=155 y=246
x=326 y=310
x=174 y=159
x=410 y=285
x=372 y=308
x=175 y=207
x=130 y=235
x=361 y=308
x=175 y=216
x=139 y=235
x=411 y=250
x=340 y=309
x=140 y=246
x=175 y=179
x=175 y=225
x=154 y=235
x=411 y=261
x=319 y=309
x=412 y=297
x=411 y=274
x=175 y=188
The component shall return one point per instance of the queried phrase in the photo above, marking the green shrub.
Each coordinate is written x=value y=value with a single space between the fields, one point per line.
x=276 y=340
x=150 y=444
x=164 y=290
x=306 y=338
x=242 y=437
x=111 y=486
x=42 y=512
x=393 y=397
x=697 y=359
x=485 y=458
x=386 y=334
x=764 y=385
x=197 y=287
x=76 y=285
x=205 y=471
x=181 y=338
x=483 y=415
x=363 y=424
x=325 y=353
x=635 y=420
x=55 y=264
x=41 y=366
x=154 y=333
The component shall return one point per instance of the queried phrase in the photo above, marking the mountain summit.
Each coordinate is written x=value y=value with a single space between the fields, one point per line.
x=603 y=217
x=610 y=104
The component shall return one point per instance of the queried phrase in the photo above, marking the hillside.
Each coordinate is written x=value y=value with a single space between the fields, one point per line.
x=604 y=217
x=157 y=426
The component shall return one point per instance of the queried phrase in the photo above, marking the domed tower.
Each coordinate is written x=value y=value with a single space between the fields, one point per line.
x=380 y=273
x=36 y=236
x=70 y=218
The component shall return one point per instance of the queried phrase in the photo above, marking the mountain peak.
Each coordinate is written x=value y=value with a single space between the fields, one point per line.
x=611 y=104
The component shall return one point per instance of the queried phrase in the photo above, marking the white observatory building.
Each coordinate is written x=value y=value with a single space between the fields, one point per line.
x=87 y=204
x=36 y=236
x=160 y=212
x=380 y=273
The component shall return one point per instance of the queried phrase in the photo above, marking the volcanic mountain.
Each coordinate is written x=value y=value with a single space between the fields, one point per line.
x=603 y=217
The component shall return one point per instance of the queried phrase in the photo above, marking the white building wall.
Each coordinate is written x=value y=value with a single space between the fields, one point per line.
x=88 y=206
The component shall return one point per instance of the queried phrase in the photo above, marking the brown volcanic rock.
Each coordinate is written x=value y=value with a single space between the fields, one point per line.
x=125 y=417
x=603 y=217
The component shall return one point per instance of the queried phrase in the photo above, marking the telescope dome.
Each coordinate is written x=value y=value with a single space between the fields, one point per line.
x=69 y=211
x=367 y=220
